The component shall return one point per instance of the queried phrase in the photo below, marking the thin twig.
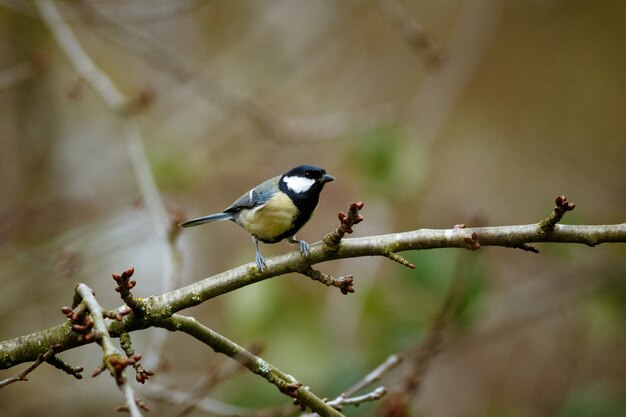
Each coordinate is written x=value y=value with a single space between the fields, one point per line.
x=224 y=98
x=333 y=240
x=22 y=376
x=343 y=283
x=348 y=397
x=381 y=370
x=78 y=57
x=285 y=383
x=562 y=206
x=112 y=357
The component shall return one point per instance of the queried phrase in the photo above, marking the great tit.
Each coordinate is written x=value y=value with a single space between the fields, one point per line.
x=275 y=209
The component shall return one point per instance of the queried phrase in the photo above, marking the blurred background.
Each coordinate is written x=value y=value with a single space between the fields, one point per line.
x=433 y=113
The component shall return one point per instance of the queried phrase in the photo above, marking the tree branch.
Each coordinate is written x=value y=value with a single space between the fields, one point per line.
x=156 y=308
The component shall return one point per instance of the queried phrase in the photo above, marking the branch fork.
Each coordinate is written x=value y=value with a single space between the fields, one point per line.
x=331 y=244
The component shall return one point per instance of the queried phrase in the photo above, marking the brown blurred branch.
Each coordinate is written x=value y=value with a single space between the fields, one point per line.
x=439 y=93
x=22 y=72
x=226 y=99
x=269 y=123
x=413 y=33
x=397 y=403
x=125 y=108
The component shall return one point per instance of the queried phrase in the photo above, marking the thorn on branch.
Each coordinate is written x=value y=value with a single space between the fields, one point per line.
x=472 y=242
x=548 y=224
x=332 y=240
x=399 y=259
x=343 y=283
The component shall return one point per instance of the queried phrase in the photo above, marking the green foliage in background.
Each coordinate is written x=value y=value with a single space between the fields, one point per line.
x=594 y=401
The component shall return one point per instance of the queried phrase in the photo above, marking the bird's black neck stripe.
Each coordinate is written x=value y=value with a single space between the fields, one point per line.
x=305 y=202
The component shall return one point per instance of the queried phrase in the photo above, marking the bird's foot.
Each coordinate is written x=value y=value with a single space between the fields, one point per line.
x=304 y=247
x=260 y=263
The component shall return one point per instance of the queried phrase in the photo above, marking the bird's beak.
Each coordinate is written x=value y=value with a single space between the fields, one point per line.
x=327 y=178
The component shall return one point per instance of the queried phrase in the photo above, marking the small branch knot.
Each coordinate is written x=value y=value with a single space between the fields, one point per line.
x=472 y=242
x=548 y=224
x=290 y=388
x=332 y=240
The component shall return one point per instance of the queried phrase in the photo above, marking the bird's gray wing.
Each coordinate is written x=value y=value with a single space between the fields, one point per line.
x=255 y=197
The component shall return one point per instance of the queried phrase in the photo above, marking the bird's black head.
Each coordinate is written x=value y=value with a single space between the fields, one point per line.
x=302 y=185
x=304 y=181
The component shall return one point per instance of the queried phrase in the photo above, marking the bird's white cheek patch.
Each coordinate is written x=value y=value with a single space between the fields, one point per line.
x=299 y=184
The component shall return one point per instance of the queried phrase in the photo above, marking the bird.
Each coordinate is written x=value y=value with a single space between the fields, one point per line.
x=276 y=209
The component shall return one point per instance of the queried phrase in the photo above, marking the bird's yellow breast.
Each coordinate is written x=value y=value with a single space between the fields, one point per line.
x=270 y=220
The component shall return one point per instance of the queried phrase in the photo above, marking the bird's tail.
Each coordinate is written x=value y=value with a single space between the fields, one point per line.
x=206 y=219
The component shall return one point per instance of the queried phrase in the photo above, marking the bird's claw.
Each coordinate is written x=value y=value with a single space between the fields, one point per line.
x=304 y=248
x=260 y=263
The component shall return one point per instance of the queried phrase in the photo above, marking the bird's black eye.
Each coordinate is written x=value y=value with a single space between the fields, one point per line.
x=307 y=174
